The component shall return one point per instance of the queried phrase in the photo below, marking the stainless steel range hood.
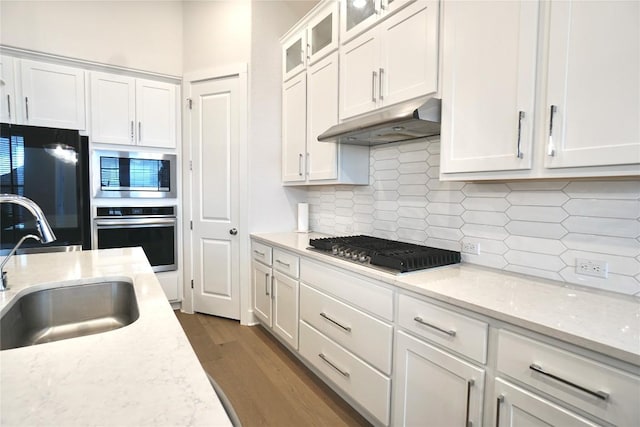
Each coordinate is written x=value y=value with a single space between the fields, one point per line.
x=414 y=119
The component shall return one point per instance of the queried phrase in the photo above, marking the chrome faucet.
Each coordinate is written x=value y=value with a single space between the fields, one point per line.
x=43 y=227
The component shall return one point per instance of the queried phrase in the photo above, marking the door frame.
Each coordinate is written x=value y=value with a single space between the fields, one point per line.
x=239 y=70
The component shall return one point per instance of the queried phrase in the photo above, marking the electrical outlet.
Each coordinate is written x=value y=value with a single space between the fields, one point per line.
x=471 y=248
x=591 y=267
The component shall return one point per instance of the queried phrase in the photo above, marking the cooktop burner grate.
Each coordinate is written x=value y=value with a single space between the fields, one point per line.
x=400 y=256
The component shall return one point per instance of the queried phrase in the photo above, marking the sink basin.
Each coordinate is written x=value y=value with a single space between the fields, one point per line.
x=68 y=312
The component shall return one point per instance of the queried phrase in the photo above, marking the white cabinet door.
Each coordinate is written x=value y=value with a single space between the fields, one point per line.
x=285 y=308
x=359 y=75
x=113 y=103
x=156 y=113
x=409 y=53
x=357 y=16
x=322 y=33
x=7 y=91
x=516 y=407
x=294 y=128
x=322 y=113
x=262 y=287
x=294 y=58
x=593 y=84
x=488 y=85
x=53 y=95
x=430 y=384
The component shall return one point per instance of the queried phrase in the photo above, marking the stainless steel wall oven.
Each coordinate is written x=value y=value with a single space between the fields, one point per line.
x=152 y=227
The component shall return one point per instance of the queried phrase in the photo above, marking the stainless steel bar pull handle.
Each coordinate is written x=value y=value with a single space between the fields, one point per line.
x=286 y=264
x=551 y=148
x=9 y=105
x=380 y=84
x=499 y=401
x=470 y=383
x=272 y=297
x=300 y=164
x=257 y=252
x=335 y=322
x=374 y=77
x=451 y=333
x=132 y=131
x=26 y=105
x=330 y=363
x=266 y=284
x=139 y=131
x=520 y=117
x=603 y=395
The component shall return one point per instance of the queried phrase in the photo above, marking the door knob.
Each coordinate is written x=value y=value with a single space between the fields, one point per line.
x=233 y=231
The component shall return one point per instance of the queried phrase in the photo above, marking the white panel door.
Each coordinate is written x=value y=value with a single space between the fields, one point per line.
x=593 y=84
x=262 y=287
x=294 y=128
x=409 y=53
x=7 y=91
x=285 y=308
x=322 y=113
x=214 y=125
x=53 y=95
x=488 y=85
x=359 y=79
x=516 y=407
x=113 y=108
x=433 y=385
x=156 y=113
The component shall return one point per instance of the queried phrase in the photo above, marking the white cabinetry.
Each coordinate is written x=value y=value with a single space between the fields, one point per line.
x=431 y=384
x=357 y=16
x=125 y=110
x=543 y=92
x=395 y=61
x=597 y=389
x=262 y=282
x=285 y=296
x=7 y=90
x=346 y=334
x=310 y=107
x=52 y=95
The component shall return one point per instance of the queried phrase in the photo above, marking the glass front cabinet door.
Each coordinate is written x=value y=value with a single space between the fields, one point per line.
x=322 y=33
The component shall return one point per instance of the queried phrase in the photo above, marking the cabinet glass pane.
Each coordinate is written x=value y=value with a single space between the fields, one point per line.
x=321 y=34
x=358 y=11
x=294 y=57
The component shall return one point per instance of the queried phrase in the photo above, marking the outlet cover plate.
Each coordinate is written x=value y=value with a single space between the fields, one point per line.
x=590 y=267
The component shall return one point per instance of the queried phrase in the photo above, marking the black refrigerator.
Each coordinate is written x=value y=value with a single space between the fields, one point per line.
x=51 y=167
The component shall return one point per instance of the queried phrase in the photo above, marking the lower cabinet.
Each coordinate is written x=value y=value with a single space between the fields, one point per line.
x=364 y=384
x=433 y=387
x=285 y=308
x=518 y=407
x=262 y=285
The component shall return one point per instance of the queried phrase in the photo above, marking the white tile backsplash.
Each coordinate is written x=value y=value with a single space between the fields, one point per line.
x=531 y=227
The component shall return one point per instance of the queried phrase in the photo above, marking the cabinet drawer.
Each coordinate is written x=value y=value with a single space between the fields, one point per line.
x=360 y=333
x=365 y=385
x=571 y=378
x=261 y=252
x=362 y=293
x=286 y=263
x=450 y=329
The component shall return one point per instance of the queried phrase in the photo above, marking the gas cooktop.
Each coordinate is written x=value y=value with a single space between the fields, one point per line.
x=389 y=254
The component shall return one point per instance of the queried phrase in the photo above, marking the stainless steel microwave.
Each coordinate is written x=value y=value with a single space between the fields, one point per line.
x=127 y=174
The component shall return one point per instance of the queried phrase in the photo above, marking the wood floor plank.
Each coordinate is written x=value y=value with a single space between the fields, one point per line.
x=266 y=384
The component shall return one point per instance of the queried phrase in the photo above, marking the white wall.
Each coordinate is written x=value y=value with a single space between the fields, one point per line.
x=272 y=206
x=144 y=35
x=216 y=33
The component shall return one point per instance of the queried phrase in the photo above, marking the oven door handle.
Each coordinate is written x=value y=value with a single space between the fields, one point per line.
x=134 y=222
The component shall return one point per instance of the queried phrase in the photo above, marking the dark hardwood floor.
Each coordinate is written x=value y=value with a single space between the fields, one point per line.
x=265 y=383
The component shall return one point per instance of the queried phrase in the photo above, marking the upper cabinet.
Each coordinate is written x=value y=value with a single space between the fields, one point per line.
x=311 y=42
x=126 y=110
x=52 y=95
x=548 y=90
x=359 y=15
x=7 y=90
x=394 y=61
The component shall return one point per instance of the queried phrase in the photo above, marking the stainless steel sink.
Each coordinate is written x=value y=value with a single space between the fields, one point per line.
x=68 y=312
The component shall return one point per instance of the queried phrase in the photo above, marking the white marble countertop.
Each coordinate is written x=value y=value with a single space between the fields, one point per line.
x=600 y=321
x=144 y=374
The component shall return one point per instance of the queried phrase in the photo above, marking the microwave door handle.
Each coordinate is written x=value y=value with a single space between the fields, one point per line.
x=134 y=222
